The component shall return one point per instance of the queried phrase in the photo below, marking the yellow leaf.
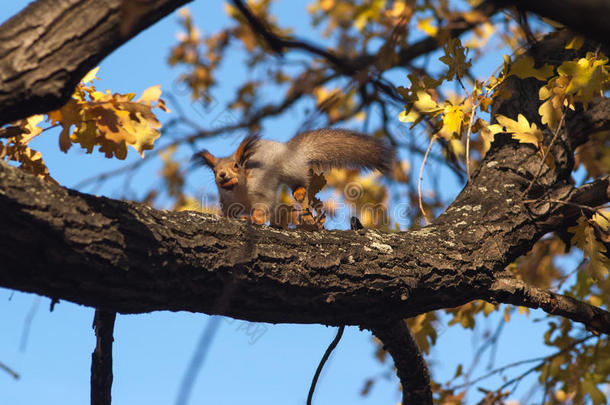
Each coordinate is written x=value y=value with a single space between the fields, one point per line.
x=455 y=58
x=601 y=219
x=90 y=75
x=85 y=134
x=549 y=115
x=453 y=116
x=145 y=136
x=32 y=127
x=422 y=106
x=584 y=237
x=426 y=26
x=596 y=300
x=588 y=76
x=520 y=130
x=150 y=94
x=524 y=68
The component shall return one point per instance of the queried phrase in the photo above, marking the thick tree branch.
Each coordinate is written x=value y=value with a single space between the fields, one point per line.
x=50 y=45
x=408 y=360
x=131 y=258
x=128 y=258
x=517 y=292
x=589 y=17
x=592 y=194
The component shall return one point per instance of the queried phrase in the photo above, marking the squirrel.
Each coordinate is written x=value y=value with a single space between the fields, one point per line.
x=249 y=179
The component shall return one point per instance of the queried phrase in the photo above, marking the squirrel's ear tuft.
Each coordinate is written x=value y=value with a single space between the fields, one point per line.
x=206 y=158
x=246 y=148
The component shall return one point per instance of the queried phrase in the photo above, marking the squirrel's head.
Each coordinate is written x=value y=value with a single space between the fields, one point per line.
x=230 y=171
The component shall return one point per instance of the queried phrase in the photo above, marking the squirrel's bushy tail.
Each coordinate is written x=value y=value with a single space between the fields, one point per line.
x=342 y=148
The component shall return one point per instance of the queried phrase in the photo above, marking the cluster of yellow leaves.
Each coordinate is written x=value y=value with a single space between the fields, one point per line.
x=202 y=55
x=577 y=81
x=90 y=118
x=594 y=155
x=16 y=148
x=592 y=236
x=464 y=315
x=111 y=121
x=451 y=118
x=343 y=15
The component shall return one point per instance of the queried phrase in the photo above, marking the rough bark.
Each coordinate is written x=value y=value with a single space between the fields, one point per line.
x=130 y=258
x=51 y=44
x=411 y=367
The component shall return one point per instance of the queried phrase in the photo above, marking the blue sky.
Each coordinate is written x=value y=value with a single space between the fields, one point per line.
x=151 y=351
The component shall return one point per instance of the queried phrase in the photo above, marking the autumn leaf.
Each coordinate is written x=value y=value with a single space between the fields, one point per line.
x=422 y=106
x=588 y=76
x=453 y=118
x=425 y=25
x=524 y=68
x=16 y=148
x=520 y=130
x=584 y=236
x=455 y=58
x=112 y=121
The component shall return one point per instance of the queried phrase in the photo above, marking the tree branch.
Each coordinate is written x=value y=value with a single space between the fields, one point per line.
x=589 y=17
x=350 y=66
x=408 y=360
x=51 y=44
x=9 y=370
x=138 y=259
x=101 y=358
x=516 y=292
x=593 y=194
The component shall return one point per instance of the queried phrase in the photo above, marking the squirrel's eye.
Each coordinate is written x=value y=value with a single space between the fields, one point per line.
x=236 y=165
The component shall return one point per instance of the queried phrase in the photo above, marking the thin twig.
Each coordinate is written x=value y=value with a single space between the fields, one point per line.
x=468 y=133
x=541 y=359
x=101 y=358
x=327 y=353
x=487 y=344
x=546 y=153
x=6 y=368
x=27 y=324
x=421 y=171
x=584 y=207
